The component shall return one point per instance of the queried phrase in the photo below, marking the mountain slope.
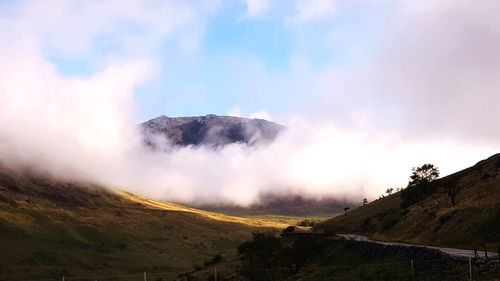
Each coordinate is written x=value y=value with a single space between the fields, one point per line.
x=285 y=205
x=472 y=222
x=51 y=228
x=211 y=130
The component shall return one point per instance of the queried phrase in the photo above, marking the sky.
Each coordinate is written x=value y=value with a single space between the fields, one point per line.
x=221 y=55
x=368 y=89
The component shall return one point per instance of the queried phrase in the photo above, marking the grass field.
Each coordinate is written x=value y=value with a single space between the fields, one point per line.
x=50 y=229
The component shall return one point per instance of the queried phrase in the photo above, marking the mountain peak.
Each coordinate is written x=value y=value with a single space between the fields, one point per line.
x=210 y=130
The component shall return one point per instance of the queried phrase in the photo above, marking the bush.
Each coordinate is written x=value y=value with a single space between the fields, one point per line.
x=263 y=251
x=289 y=229
x=415 y=194
x=215 y=260
x=306 y=222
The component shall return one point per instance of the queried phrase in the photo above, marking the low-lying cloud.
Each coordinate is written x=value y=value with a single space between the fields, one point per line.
x=84 y=128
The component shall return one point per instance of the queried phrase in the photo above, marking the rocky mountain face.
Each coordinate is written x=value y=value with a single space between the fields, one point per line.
x=210 y=130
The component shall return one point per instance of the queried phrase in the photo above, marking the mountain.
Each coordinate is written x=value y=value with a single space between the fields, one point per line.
x=210 y=130
x=216 y=131
x=50 y=228
x=471 y=222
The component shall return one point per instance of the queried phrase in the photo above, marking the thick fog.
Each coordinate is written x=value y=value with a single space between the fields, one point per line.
x=427 y=92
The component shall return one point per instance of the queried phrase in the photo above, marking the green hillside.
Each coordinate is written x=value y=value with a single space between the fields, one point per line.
x=50 y=228
x=471 y=222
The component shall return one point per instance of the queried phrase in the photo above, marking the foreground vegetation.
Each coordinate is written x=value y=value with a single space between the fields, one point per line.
x=301 y=256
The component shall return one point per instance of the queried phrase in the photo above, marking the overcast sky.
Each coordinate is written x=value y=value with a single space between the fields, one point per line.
x=417 y=80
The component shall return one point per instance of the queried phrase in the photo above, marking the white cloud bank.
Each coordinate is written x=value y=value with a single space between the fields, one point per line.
x=262 y=114
x=312 y=10
x=256 y=7
x=82 y=128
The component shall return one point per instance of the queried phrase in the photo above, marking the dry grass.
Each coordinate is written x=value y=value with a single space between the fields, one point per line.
x=50 y=228
x=473 y=221
x=252 y=221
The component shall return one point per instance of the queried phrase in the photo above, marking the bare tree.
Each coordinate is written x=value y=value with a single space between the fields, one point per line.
x=345 y=210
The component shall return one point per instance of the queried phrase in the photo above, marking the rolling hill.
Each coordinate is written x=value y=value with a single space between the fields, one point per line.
x=471 y=222
x=51 y=228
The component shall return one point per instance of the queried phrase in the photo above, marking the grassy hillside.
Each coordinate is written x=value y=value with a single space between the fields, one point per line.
x=50 y=228
x=302 y=256
x=473 y=221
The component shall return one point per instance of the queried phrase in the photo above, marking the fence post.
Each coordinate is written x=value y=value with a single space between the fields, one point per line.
x=363 y=274
x=215 y=273
x=145 y=277
x=63 y=278
x=412 y=269
x=485 y=251
x=470 y=269
x=269 y=275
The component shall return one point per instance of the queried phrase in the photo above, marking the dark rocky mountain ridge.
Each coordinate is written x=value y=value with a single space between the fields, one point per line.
x=210 y=130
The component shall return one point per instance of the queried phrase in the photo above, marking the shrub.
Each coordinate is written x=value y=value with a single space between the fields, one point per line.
x=263 y=248
x=263 y=251
x=415 y=194
x=215 y=260
x=306 y=222
x=289 y=229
